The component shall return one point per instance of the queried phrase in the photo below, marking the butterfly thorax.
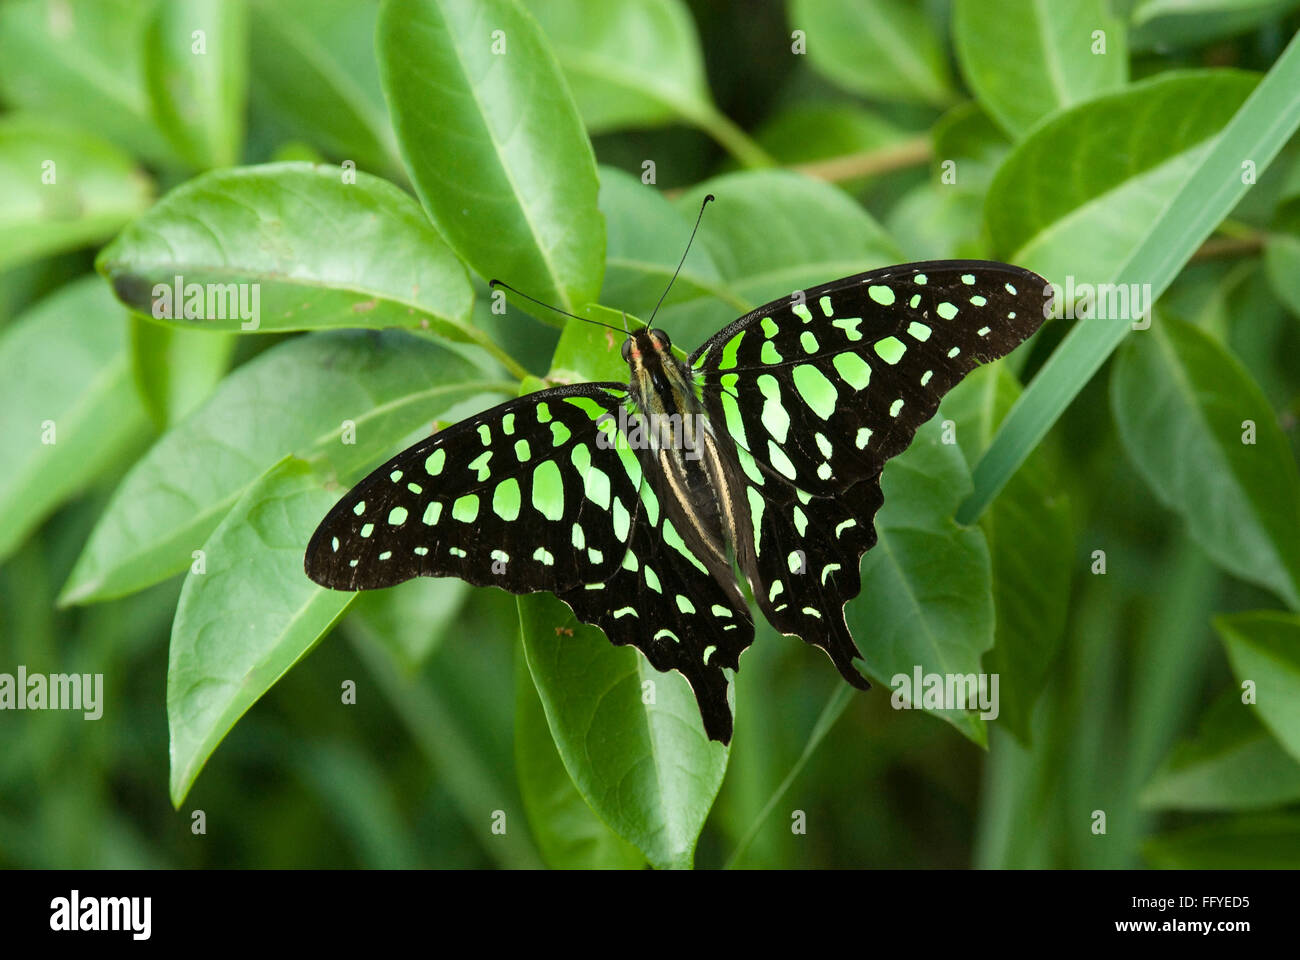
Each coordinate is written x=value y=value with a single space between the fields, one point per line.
x=692 y=470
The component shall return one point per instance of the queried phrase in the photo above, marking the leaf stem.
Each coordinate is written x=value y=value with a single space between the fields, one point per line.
x=850 y=166
x=731 y=138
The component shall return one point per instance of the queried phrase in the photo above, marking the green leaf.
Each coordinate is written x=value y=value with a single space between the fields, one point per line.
x=314 y=71
x=636 y=63
x=568 y=834
x=819 y=131
x=1282 y=254
x=314 y=250
x=1205 y=439
x=1263 y=842
x=503 y=165
x=305 y=396
x=221 y=664
x=1026 y=59
x=1030 y=541
x=67 y=405
x=1258 y=130
x=936 y=222
x=648 y=771
x=1080 y=194
x=1231 y=764
x=197 y=83
x=175 y=369
x=1264 y=650
x=927 y=599
x=884 y=49
x=411 y=619
x=759 y=236
x=1162 y=24
x=63 y=190
x=82 y=63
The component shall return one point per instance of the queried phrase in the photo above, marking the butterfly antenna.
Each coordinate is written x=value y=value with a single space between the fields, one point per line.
x=682 y=260
x=499 y=283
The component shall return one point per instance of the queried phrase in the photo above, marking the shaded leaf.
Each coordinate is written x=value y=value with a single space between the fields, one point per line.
x=1264 y=650
x=1263 y=842
x=175 y=369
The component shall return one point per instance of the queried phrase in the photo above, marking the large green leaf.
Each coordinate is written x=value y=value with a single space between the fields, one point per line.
x=927 y=593
x=494 y=145
x=974 y=143
x=249 y=616
x=1129 y=153
x=197 y=74
x=314 y=250
x=1282 y=254
x=82 y=63
x=647 y=770
x=636 y=63
x=67 y=404
x=1030 y=543
x=886 y=49
x=411 y=620
x=176 y=369
x=1028 y=59
x=1231 y=764
x=569 y=835
x=63 y=190
x=299 y=397
x=314 y=71
x=1261 y=842
x=1264 y=649
x=1181 y=404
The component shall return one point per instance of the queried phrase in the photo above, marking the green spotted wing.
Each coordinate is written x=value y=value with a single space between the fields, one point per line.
x=820 y=389
x=543 y=493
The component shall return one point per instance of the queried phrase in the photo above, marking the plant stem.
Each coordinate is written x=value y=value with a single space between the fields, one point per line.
x=850 y=166
x=733 y=139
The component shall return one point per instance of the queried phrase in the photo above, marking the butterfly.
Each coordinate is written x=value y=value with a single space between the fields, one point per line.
x=636 y=503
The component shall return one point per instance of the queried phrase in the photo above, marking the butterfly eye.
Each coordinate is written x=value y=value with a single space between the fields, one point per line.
x=661 y=338
x=627 y=350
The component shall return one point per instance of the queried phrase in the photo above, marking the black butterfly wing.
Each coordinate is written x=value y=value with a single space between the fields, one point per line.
x=823 y=392
x=818 y=395
x=524 y=496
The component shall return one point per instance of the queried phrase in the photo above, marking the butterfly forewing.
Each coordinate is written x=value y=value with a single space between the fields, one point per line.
x=524 y=496
x=822 y=389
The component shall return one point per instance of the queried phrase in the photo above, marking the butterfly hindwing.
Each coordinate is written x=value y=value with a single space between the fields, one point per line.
x=822 y=392
x=523 y=496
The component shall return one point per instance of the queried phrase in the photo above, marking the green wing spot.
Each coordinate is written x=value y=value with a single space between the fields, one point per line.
x=652 y=580
x=756 y=505
x=890 y=349
x=421 y=551
x=630 y=561
x=801 y=311
x=1010 y=289
x=774 y=591
x=395 y=476
x=543 y=413
x=825 y=303
x=465 y=508
x=397 y=516
x=523 y=453
x=386 y=555
x=925 y=377
x=684 y=604
x=360 y=508
x=861 y=441
x=651 y=504
x=774 y=416
x=508 y=424
x=729 y=381
x=855 y=371
x=367 y=529
x=432 y=512
x=718 y=610
x=559 y=434
x=770 y=329
x=979 y=301
x=850 y=327
x=480 y=464
x=729 y=352
x=808 y=342
x=631 y=465
x=674 y=540
x=485 y=434
x=818 y=392
x=795 y=561
x=881 y=294
x=920 y=280
x=548 y=490
x=918 y=331
x=946 y=310
x=588 y=406
x=769 y=353
x=780 y=461
x=544 y=557
x=731 y=412
x=505 y=499
x=800 y=520
x=824 y=445
x=596 y=482
x=895 y=407
x=622 y=521
x=626 y=612
x=915 y=301
x=595 y=556
x=749 y=466
x=434 y=463
x=500 y=555
x=415 y=488
x=968 y=279
x=577 y=536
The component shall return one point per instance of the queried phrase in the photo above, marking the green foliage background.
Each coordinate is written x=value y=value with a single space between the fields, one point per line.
x=370 y=165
